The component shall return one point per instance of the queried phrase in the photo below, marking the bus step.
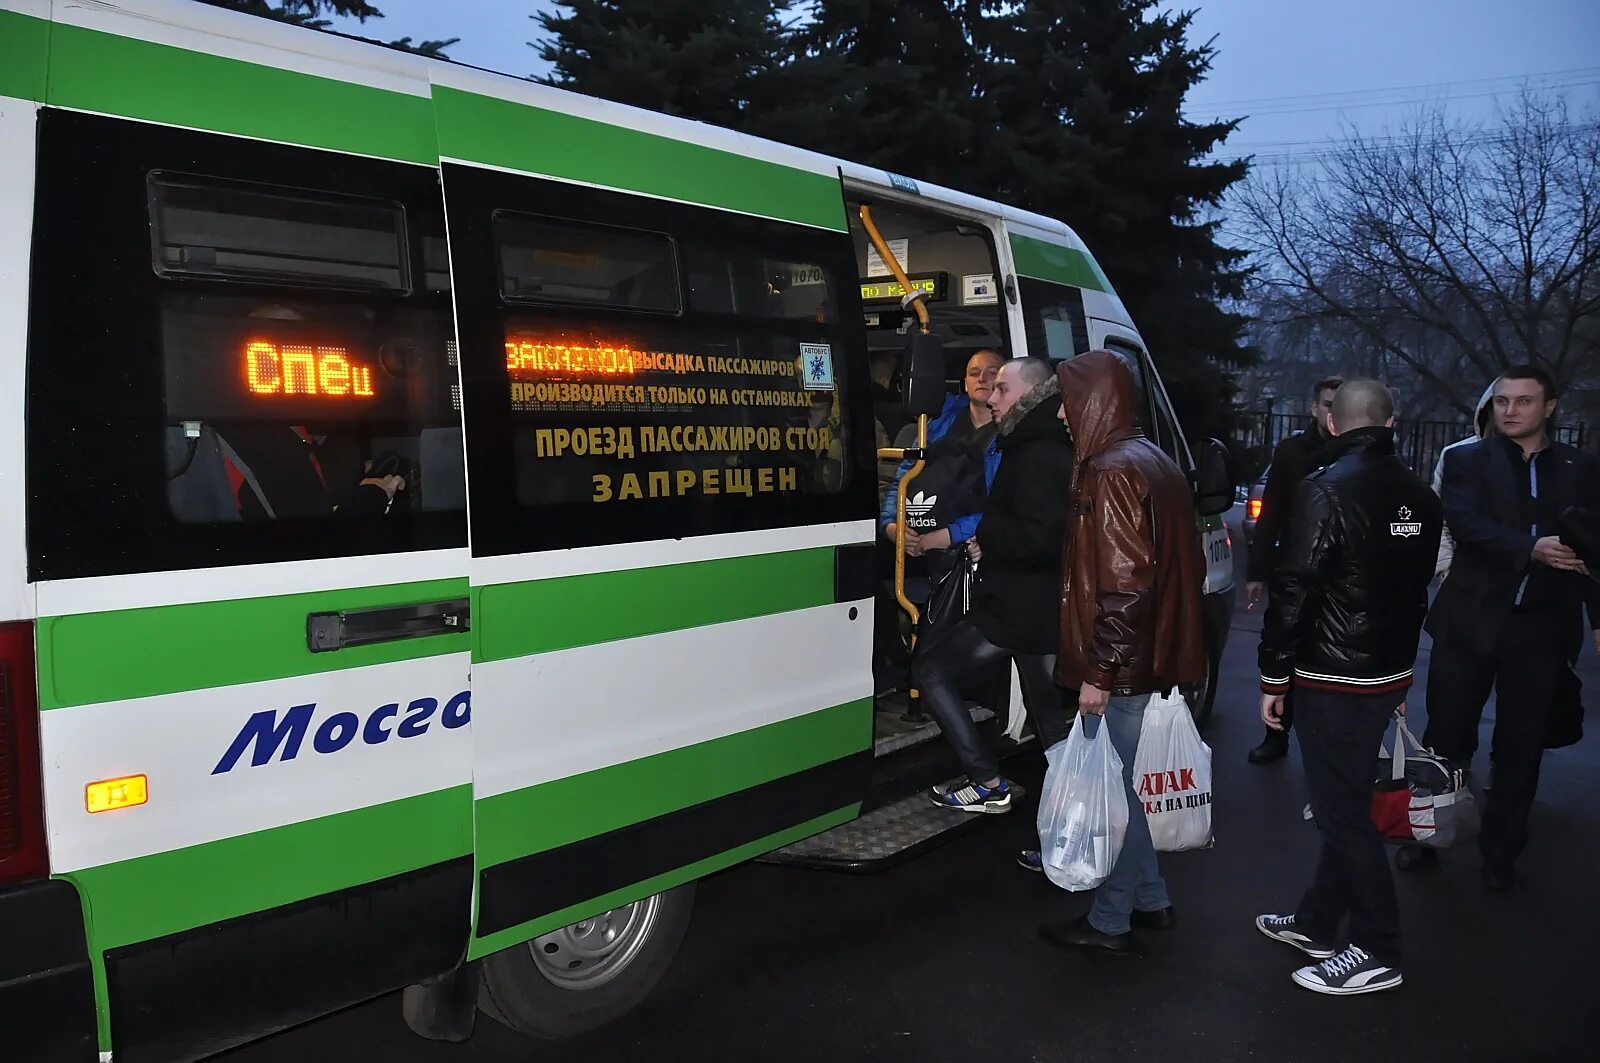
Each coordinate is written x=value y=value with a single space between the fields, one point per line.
x=891 y=733
x=882 y=837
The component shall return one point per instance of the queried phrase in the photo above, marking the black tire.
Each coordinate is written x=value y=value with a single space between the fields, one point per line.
x=518 y=993
x=1202 y=696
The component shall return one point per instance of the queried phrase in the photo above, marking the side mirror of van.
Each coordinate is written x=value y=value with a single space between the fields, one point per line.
x=925 y=392
x=1213 y=480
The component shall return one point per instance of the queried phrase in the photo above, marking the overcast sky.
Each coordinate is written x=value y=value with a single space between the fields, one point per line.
x=1301 y=71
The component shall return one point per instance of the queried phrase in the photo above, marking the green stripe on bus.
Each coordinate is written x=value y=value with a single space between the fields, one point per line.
x=153 y=896
x=91 y=658
x=24 y=51
x=505 y=939
x=554 y=814
x=517 y=619
x=540 y=141
x=1054 y=262
x=105 y=73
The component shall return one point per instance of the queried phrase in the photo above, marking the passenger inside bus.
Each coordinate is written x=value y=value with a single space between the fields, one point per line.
x=942 y=510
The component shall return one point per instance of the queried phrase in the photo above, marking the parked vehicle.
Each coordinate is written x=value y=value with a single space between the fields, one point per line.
x=1252 y=509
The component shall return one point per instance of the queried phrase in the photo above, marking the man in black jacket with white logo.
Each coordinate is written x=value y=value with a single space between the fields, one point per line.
x=1344 y=617
x=1016 y=608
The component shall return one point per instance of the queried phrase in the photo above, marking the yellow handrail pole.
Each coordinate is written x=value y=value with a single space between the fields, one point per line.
x=915 y=299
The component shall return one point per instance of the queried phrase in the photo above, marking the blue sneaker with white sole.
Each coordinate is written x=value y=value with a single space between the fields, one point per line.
x=973 y=797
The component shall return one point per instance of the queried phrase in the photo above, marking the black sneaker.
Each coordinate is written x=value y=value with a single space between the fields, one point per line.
x=1352 y=971
x=973 y=797
x=1030 y=860
x=1283 y=928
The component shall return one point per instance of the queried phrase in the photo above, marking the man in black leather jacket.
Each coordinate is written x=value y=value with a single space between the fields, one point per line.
x=1016 y=608
x=1344 y=617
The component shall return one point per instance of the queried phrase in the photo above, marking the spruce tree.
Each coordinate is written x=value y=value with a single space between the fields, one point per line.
x=711 y=60
x=1089 y=94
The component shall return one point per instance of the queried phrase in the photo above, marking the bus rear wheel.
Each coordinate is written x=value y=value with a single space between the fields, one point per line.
x=583 y=976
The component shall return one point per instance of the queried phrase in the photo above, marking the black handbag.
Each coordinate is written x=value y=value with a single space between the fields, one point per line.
x=952 y=595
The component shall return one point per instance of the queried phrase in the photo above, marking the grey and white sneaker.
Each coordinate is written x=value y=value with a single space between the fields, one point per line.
x=1283 y=928
x=1352 y=971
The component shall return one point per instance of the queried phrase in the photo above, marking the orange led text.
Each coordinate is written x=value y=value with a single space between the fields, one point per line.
x=530 y=356
x=301 y=369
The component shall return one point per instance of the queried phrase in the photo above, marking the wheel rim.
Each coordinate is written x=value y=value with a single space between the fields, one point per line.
x=591 y=953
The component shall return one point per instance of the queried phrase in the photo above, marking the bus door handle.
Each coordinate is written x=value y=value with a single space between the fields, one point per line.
x=326 y=632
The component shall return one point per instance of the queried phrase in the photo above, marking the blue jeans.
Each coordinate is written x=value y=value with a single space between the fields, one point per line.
x=1135 y=880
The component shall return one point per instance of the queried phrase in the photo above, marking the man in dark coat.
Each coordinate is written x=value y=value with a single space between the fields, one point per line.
x=1015 y=608
x=1509 y=617
x=1293 y=459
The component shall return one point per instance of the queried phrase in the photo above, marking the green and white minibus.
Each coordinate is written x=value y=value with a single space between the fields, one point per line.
x=437 y=516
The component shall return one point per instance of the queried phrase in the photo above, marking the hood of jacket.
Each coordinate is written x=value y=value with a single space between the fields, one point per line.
x=1033 y=416
x=1483 y=417
x=1098 y=396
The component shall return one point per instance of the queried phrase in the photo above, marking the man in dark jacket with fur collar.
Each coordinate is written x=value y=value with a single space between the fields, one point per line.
x=1015 y=612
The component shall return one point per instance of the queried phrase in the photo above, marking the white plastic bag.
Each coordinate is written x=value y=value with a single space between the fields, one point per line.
x=1083 y=811
x=1172 y=776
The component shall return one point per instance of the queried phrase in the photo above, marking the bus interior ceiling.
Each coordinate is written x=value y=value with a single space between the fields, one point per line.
x=958 y=257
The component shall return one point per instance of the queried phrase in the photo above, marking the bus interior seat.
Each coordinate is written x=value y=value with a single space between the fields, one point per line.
x=198 y=488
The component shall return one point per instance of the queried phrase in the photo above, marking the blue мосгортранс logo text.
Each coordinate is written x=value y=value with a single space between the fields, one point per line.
x=270 y=734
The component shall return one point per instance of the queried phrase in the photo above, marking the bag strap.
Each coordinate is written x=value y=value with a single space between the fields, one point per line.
x=1403 y=735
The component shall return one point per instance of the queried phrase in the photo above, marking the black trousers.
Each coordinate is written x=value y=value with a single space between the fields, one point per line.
x=1339 y=738
x=1524 y=671
x=950 y=662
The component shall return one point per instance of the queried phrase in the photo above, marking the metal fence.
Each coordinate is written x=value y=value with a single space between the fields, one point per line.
x=1417 y=442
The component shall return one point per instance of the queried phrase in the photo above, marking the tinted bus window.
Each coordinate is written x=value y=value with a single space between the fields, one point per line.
x=1053 y=319
x=284 y=393
x=545 y=260
x=600 y=424
x=213 y=228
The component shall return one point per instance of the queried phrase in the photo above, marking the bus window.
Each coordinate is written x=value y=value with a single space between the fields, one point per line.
x=1155 y=415
x=1053 y=319
x=545 y=260
x=605 y=424
x=280 y=383
x=228 y=230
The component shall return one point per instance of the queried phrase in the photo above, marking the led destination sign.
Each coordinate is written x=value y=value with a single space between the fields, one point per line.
x=303 y=369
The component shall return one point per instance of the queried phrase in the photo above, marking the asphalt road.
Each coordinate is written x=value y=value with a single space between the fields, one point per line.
x=939 y=959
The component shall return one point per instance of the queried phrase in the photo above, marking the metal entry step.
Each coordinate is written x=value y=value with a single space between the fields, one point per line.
x=885 y=836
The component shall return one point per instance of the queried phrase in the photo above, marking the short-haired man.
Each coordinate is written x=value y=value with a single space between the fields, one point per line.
x=1130 y=615
x=1014 y=611
x=1343 y=621
x=1293 y=458
x=1509 y=617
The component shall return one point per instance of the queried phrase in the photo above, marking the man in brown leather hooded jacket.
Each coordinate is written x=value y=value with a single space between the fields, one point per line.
x=1130 y=613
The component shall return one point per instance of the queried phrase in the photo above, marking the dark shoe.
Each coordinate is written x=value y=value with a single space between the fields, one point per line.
x=1499 y=877
x=1030 y=860
x=1416 y=858
x=1284 y=928
x=1351 y=972
x=1080 y=934
x=1160 y=919
x=1273 y=747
